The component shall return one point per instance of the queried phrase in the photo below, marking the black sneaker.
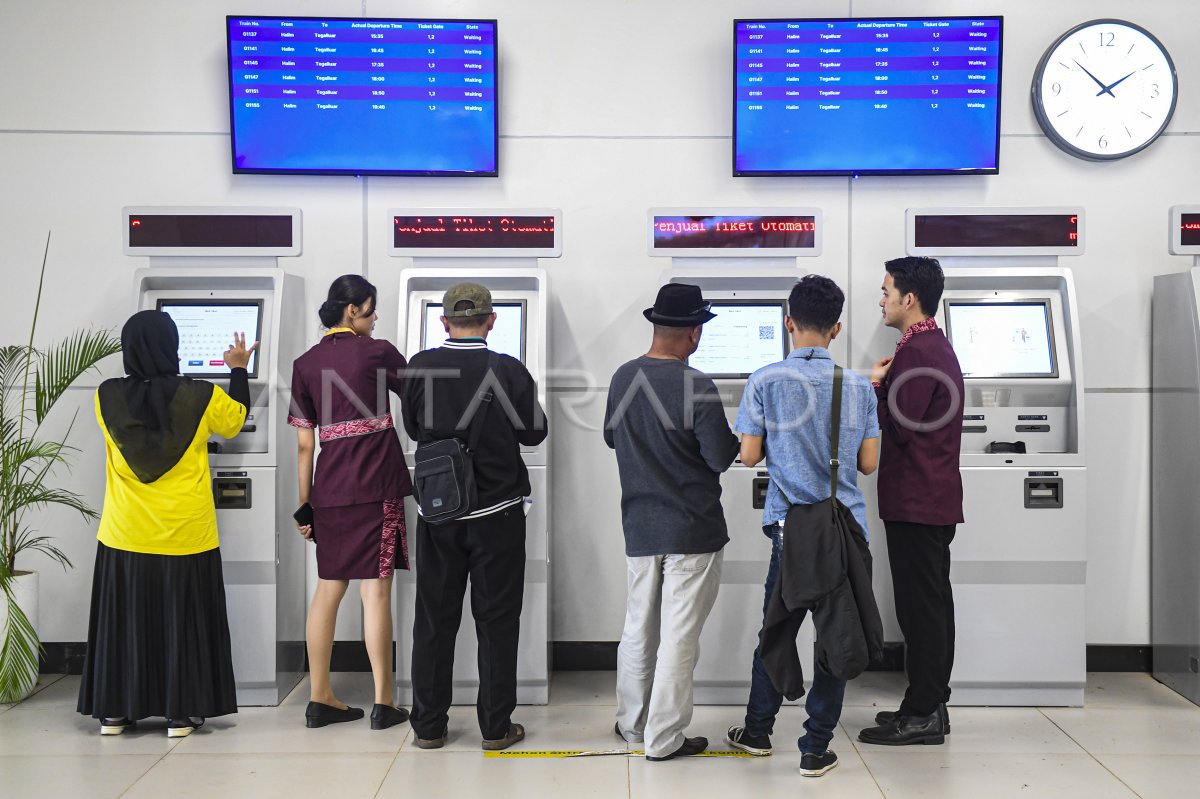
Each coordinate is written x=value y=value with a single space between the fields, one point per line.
x=814 y=764
x=116 y=726
x=757 y=745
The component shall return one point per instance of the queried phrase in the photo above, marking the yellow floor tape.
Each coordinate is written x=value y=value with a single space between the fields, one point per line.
x=553 y=753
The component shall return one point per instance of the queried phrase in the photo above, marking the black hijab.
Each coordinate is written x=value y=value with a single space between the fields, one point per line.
x=153 y=413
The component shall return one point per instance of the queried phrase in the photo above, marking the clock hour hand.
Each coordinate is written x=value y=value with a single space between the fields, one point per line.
x=1109 y=87
x=1100 y=83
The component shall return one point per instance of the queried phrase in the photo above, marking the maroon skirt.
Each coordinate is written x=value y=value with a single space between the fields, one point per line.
x=360 y=542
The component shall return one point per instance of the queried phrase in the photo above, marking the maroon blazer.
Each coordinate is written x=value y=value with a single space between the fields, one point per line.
x=919 y=481
x=340 y=387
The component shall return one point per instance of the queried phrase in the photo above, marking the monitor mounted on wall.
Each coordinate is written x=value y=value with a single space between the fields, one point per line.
x=867 y=96
x=356 y=96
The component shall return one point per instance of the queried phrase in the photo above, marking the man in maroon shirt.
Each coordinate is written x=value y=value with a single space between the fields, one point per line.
x=920 y=392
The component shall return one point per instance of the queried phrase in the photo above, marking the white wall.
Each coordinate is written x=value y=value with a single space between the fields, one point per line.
x=608 y=108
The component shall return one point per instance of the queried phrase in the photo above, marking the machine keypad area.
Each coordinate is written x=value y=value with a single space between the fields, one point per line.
x=1049 y=429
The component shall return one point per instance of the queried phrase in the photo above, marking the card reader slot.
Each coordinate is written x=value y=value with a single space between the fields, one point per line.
x=758 y=492
x=974 y=428
x=1033 y=428
x=232 y=493
x=1043 y=492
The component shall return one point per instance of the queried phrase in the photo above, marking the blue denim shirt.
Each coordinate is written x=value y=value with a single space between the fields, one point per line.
x=790 y=404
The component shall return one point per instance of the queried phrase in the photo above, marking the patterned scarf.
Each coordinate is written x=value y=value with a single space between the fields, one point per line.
x=923 y=326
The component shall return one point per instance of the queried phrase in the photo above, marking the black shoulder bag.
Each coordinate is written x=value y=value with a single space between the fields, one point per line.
x=444 y=469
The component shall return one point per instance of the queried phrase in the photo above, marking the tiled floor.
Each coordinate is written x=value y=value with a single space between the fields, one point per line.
x=1135 y=738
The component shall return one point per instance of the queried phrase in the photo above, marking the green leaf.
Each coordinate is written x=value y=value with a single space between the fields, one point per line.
x=19 y=650
x=61 y=365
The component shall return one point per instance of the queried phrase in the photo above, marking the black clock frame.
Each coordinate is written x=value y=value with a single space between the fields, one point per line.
x=1044 y=121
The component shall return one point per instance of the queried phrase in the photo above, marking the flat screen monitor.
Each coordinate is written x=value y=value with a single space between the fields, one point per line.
x=867 y=96
x=357 y=96
x=1002 y=339
x=206 y=329
x=744 y=337
x=507 y=336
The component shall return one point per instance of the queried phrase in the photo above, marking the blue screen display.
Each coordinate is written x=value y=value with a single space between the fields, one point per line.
x=362 y=96
x=867 y=96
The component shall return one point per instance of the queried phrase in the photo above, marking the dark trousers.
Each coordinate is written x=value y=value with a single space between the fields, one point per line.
x=824 y=701
x=491 y=550
x=920 y=559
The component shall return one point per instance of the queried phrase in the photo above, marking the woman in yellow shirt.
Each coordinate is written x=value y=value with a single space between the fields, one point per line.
x=158 y=638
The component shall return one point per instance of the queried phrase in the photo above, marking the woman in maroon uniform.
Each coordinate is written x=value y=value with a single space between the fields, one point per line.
x=356 y=498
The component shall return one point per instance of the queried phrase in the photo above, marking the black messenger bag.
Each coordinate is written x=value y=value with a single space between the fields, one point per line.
x=444 y=469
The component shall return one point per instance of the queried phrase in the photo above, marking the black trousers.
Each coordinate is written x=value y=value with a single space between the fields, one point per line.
x=920 y=559
x=490 y=550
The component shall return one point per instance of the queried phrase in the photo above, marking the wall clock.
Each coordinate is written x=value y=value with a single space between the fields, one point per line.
x=1104 y=90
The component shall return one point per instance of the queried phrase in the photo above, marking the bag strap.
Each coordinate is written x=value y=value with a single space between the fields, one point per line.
x=835 y=434
x=475 y=429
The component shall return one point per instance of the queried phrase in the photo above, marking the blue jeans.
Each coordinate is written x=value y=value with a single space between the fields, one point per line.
x=824 y=702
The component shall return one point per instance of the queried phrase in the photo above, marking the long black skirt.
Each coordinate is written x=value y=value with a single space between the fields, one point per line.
x=158 y=638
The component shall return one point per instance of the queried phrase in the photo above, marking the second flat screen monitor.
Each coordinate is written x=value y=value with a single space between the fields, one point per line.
x=507 y=336
x=1002 y=339
x=744 y=337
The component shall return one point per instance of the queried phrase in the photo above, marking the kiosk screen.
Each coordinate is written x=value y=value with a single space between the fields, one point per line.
x=1002 y=339
x=507 y=336
x=743 y=337
x=206 y=329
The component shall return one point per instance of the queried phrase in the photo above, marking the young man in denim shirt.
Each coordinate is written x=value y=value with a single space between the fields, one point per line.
x=785 y=415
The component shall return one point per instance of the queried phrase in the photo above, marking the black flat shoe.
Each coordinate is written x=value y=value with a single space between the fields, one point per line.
x=690 y=746
x=888 y=716
x=384 y=716
x=318 y=715
x=906 y=731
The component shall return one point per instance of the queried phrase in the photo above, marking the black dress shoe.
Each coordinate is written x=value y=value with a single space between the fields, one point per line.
x=691 y=746
x=318 y=714
x=384 y=716
x=887 y=716
x=906 y=730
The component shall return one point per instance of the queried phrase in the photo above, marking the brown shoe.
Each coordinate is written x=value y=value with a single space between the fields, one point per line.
x=432 y=743
x=515 y=733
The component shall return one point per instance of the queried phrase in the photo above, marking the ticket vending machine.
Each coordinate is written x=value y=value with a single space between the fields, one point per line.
x=215 y=270
x=498 y=249
x=744 y=260
x=1019 y=562
x=1174 y=468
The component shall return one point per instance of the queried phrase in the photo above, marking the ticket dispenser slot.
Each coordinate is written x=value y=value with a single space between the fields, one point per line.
x=1043 y=491
x=758 y=491
x=232 y=491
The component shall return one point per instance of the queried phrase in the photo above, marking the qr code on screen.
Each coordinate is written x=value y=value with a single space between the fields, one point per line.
x=766 y=332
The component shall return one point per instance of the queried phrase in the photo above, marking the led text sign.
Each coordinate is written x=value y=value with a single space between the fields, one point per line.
x=485 y=232
x=716 y=232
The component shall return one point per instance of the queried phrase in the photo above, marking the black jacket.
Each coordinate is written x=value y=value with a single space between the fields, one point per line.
x=440 y=386
x=825 y=569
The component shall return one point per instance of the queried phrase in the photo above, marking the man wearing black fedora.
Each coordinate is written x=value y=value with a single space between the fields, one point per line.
x=666 y=422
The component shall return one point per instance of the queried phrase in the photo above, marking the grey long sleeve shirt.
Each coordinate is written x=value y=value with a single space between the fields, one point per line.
x=666 y=422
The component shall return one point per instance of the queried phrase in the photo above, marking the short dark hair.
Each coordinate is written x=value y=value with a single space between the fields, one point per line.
x=815 y=303
x=346 y=290
x=916 y=274
x=477 y=322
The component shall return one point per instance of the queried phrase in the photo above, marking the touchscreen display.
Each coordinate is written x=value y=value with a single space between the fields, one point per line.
x=1002 y=339
x=206 y=331
x=507 y=336
x=741 y=339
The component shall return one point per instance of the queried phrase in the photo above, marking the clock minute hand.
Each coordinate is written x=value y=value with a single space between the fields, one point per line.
x=1099 y=82
x=1109 y=87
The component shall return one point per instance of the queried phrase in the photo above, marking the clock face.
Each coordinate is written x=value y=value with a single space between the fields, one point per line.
x=1104 y=90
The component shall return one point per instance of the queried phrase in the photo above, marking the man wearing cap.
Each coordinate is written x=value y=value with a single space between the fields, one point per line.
x=440 y=399
x=667 y=424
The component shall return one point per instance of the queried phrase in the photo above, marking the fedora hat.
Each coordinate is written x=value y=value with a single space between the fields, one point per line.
x=679 y=305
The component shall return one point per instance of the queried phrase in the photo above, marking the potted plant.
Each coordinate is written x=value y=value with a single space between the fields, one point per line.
x=31 y=382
